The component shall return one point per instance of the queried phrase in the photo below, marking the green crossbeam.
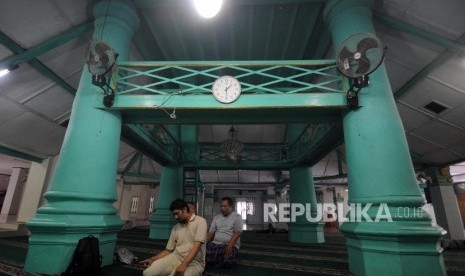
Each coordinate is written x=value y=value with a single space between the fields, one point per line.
x=256 y=77
x=157 y=142
x=303 y=90
x=316 y=141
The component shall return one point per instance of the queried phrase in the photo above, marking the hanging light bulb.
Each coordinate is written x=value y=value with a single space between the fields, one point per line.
x=208 y=8
x=232 y=147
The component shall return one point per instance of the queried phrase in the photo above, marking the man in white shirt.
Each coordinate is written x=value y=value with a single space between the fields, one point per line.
x=185 y=250
x=223 y=238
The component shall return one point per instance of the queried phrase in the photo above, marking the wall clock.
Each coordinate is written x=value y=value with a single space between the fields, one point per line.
x=226 y=89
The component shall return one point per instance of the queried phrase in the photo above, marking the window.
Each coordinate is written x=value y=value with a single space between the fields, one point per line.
x=134 y=204
x=241 y=207
x=152 y=200
x=250 y=207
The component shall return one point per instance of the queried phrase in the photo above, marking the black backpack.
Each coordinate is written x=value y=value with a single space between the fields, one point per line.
x=86 y=259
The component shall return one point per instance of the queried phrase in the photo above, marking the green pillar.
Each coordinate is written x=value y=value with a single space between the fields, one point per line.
x=83 y=188
x=381 y=173
x=303 y=192
x=170 y=189
x=190 y=142
x=444 y=200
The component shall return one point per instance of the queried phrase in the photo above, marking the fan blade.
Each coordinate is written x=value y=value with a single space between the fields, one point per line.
x=365 y=44
x=363 y=66
x=90 y=57
x=105 y=61
x=345 y=61
x=100 y=48
x=346 y=54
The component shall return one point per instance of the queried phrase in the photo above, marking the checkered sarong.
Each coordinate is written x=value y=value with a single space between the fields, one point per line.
x=215 y=255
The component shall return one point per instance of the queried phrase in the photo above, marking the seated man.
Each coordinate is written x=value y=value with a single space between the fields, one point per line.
x=223 y=238
x=192 y=207
x=185 y=250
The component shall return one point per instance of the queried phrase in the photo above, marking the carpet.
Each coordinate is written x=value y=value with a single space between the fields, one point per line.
x=261 y=254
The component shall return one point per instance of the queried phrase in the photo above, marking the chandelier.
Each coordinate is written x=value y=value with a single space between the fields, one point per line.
x=232 y=147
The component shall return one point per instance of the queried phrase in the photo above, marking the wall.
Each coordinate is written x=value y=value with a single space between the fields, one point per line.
x=123 y=204
x=461 y=202
x=15 y=190
x=4 y=180
x=339 y=196
x=254 y=222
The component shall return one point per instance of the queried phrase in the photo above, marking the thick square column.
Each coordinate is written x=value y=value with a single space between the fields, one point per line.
x=170 y=189
x=380 y=172
x=303 y=193
x=444 y=199
x=83 y=187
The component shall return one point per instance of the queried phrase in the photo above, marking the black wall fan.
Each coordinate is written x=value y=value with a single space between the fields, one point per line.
x=358 y=56
x=101 y=60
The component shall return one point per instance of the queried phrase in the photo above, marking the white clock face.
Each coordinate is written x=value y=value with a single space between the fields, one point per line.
x=226 y=89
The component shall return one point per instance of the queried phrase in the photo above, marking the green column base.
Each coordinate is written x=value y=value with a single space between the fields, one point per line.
x=54 y=239
x=161 y=224
x=306 y=232
x=396 y=248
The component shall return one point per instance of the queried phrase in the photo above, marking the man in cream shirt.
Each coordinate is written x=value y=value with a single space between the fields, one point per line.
x=185 y=250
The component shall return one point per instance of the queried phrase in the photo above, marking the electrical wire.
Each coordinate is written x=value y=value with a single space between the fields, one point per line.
x=105 y=20
x=172 y=115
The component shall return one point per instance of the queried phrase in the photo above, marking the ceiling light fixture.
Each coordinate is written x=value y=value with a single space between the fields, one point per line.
x=208 y=8
x=232 y=147
x=4 y=72
x=10 y=68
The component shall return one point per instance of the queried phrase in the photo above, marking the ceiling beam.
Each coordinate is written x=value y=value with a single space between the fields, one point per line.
x=29 y=56
x=37 y=50
x=131 y=162
x=235 y=187
x=322 y=184
x=142 y=141
x=321 y=144
x=202 y=102
x=420 y=75
x=243 y=165
x=326 y=177
x=451 y=47
x=339 y=161
x=140 y=175
x=423 y=73
x=35 y=63
x=231 y=117
x=18 y=154
x=396 y=23
x=248 y=109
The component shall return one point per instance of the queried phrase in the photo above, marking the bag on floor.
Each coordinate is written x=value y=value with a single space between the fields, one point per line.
x=86 y=259
x=124 y=256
